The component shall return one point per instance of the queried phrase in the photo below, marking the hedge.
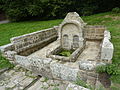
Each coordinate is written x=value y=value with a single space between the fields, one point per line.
x=18 y=10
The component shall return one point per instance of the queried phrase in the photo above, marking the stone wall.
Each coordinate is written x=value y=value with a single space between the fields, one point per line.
x=33 y=41
x=94 y=32
x=29 y=43
x=48 y=68
x=55 y=70
x=8 y=51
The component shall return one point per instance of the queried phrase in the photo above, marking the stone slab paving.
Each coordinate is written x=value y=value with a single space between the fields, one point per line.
x=42 y=52
x=21 y=79
x=91 y=51
x=48 y=84
x=16 y=79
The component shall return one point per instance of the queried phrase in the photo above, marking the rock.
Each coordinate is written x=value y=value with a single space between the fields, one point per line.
x=50 y=82
x=87 y=65
x=75 y=87
x=10 y=85
x=45 y=85
x=107 y=50
x=60 y=71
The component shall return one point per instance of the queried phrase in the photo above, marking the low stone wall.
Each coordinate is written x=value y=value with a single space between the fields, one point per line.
x=94 y=32
x=48 y=68
x=7 y=47
x=8 y=51
x=72 y=58
x=55 y=70
x=28 y=41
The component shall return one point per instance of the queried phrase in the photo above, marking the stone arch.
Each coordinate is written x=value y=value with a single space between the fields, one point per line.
x=70 y=29
x=75 y=41
x=76 y=23
x=65 y=41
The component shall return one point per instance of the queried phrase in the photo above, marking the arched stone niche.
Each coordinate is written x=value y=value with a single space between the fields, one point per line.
x=65 y=41
x=75 y=41
x=71 y=35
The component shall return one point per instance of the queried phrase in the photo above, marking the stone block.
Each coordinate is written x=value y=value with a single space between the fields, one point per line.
x=23 y=61
x=87 y=65
x=107 y=34
x=92 y=74
x=10 y=55
x=39 y=66
x=91 y=80
x=60 y=71
x=75 y=87
x=82 y=75
x=107 y=50
x=7 y=47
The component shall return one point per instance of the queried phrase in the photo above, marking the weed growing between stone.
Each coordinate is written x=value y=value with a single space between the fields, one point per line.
x=66 y=53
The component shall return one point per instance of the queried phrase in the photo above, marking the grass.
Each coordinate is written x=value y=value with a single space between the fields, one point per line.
x=10 y=30
x=83 y=84
x=4 y=63
x=110 y=20
x=66 y=53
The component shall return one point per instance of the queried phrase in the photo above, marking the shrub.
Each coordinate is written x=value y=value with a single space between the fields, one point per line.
x=4 y=63
x=116 y=10
x=114 y=88
x=101 y=69
x=18 y=10
x=111 y=69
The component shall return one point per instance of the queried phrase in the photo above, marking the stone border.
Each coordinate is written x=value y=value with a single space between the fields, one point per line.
x=107 y=48
x=71 y=58
x=95 y=32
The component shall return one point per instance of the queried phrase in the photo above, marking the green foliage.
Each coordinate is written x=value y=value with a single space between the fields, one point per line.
x=18 y=10
x=101 y=87
x=66 y=53
x=115 y=78
x=116 y=10
x=83 y=84
x=46 y=79
x=111 y=69
x=114 y=88
x=56 y=88
x=101 y=69
x=4 y=63
x=10 y=30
